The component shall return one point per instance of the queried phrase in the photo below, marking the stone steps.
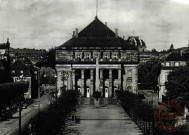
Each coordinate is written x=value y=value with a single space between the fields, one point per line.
x=103 y=101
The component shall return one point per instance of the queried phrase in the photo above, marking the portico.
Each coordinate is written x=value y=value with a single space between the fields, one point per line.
x=82 y=78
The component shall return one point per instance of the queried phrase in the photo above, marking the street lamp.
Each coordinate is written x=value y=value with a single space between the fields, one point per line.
x=20 y=108
x=45 y=78
x=37 y=73
x=55 y=76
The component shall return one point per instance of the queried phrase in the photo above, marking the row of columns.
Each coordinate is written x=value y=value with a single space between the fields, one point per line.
x=71 y=81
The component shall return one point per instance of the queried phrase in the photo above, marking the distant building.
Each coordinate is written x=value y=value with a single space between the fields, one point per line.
x=33 y=54
x=136 y=41
x=171 y=62
x=23 y=70
x=144 y=54
x=97 y=54
x=4 y=50
x=183 y=49
x=5 y=62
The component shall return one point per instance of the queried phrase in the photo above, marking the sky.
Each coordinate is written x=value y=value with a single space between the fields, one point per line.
x=43 y=24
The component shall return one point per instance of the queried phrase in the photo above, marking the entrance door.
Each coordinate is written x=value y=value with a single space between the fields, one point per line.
x=115 y=89
x=106 y=92
x=79 y=89
x=88 y=92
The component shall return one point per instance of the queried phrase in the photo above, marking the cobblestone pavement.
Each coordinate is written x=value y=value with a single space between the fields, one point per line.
x=106 y=120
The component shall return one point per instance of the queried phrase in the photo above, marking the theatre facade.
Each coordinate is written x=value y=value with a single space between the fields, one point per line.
x=97 y=59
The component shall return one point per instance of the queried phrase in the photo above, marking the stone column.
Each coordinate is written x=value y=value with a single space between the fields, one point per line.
x=119 y=79
x=82 y=82
x=59 y=81
x=110 y=83
x=65 y=80
x=73 y=79
x=69 y=80
x=92 y=81
x=101 y=81
x=97 y=74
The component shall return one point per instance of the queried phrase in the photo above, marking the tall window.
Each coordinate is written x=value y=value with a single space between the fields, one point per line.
x=87 y=56
x=78 y=56
x=115 y=56
x=106 y=56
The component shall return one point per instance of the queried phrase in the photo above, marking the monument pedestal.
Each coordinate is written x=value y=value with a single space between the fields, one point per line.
x=97 y=103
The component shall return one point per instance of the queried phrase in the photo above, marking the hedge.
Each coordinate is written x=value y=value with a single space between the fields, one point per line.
x=10 y=91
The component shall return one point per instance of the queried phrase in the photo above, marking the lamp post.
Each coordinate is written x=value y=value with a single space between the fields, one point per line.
x=37 y=73
x=20 y=109
x=55 y=76
x=45 y=78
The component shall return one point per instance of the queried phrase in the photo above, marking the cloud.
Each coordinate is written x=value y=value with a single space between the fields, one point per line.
x=181 y=1
x=47 y=23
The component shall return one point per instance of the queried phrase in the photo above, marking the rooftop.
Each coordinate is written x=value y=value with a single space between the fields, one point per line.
x=97 y=34
x=178 y=57
x=96 y=29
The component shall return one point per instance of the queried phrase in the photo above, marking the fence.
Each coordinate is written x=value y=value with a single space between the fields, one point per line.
x=142 y=114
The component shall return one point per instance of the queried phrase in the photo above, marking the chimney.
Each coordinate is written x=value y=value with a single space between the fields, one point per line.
x=116 y=32
x=76 y=32
x=73 y=34
x=106 y=23
x=181 y=51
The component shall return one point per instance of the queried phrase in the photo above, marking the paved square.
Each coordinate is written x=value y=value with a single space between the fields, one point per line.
x=109 y=120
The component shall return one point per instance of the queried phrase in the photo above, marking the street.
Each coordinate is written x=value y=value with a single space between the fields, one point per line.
x=10 y=127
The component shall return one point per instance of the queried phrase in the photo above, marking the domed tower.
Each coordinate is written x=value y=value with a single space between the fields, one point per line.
x=139 y=43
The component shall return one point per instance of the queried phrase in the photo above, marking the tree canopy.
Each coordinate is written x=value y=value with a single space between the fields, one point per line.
x=48 y=59
x=171 y=48
x=47 y=75
x=5 y=76
x=10 y=91
x=148 y=74
x=177 y=84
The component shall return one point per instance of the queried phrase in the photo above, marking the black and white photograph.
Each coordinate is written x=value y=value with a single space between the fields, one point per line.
x=94 y=67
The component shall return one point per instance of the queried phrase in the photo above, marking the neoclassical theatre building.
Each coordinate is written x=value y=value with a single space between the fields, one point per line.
x=96 y=58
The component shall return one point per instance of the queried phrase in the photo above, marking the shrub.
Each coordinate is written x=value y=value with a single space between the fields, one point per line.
x=11 y=91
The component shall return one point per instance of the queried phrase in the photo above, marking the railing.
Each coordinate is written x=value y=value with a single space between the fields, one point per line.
x=142 y=114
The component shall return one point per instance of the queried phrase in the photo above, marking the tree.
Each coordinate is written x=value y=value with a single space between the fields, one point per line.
x=148 y=74
x=154 y=50
x=171 y=48
x=5 y=76
x=47 y=75
x=48 y=59
x=177 y=84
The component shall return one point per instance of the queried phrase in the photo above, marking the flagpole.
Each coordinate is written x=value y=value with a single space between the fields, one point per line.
x=96 y=8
